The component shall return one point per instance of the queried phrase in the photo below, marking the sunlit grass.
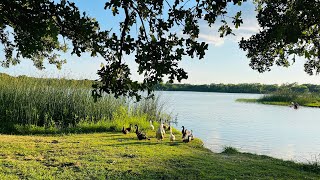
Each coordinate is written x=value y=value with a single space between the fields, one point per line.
x=246 y=100
x=118 y=156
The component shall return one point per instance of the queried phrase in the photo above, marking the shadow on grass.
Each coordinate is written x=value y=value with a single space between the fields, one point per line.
x=205 y=165
x=146 y=142
x=14 y=129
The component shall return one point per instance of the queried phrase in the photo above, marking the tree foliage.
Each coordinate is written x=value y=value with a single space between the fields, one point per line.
x=39 y=28
x=157 y=47
x=289 y=28
x=242 y=88
x=158 y=33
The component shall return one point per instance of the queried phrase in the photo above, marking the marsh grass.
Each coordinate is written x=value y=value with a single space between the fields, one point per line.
x=284 y=98
x=38 y=105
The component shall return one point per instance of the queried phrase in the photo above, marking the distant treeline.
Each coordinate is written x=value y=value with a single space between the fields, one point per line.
x=241 y=88
x=256 y=88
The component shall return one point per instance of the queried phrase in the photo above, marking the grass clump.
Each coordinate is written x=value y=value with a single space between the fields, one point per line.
x=313 y=165
x=230 y=150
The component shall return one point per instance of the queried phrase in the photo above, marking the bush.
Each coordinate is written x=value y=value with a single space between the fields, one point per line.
x=230 y=150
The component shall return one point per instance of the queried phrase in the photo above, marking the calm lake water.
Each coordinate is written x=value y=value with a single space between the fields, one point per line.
x=276 y=131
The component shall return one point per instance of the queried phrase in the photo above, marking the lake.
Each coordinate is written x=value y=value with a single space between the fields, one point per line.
x=276 y=131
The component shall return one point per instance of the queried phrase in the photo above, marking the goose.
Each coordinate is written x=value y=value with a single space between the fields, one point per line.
x=129 y=128
x=139 y=134
x=160 y=132
x=183 y=132
x=172 y=137
x=191 y=135
x=151 y=125
x=187 y=139
x=187 y=132
x=124 y=131
x=163 y=130
x=182 y=129
x=165 y=127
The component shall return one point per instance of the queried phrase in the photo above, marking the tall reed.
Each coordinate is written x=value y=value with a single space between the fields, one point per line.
x=60 y=103
x=306 y=99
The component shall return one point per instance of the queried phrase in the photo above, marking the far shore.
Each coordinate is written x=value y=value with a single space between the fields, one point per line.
x=278 y=103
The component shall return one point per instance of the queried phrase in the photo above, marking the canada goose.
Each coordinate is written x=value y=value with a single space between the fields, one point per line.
x=139 y=134
x=172 y=137
x=124 y=131
x=187 y=139
x=294 y=105
x=183 y=132
x=182 y=129
x=129 y=128
x=163 y=130
x=160 y=132
x=151 y=125
x=165 y=127
x=187 y=132
x=191 y=135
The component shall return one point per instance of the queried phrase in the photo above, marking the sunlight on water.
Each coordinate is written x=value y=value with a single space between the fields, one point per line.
x=219 y=121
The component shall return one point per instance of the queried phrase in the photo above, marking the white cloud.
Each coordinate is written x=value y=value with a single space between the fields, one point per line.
x=249 y=27
x=212 y=36
x=211 y=39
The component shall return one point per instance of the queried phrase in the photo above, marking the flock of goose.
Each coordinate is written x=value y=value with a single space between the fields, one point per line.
x=187 y=135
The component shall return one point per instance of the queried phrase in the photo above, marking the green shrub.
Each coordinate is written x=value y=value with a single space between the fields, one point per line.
x=230 y=150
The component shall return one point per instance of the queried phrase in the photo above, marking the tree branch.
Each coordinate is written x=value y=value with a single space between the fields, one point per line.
x=144 y=27
x=123 y=33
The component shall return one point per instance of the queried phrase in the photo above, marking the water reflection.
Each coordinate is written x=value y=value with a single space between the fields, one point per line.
x=276 y=131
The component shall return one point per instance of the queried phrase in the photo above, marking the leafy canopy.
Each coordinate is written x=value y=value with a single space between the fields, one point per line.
x=289 y=28
x=148 y=30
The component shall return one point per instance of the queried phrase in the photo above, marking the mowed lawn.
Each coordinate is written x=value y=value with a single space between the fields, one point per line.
x=118 y=156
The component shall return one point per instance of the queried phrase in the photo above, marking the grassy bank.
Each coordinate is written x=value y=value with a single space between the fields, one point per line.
x=118 y=156
x=285 y=98
x=40 y=105
x=263 y=102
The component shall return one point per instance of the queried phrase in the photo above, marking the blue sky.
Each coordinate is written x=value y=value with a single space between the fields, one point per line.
x=224 y=61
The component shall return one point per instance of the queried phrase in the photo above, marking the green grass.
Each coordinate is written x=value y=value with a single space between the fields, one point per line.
x=314 y=104
x=262 y=102
x=118 y=156
x=246 y=100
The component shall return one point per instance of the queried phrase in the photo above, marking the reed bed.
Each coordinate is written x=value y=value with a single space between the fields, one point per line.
x=286 y=97
x=39 y=105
